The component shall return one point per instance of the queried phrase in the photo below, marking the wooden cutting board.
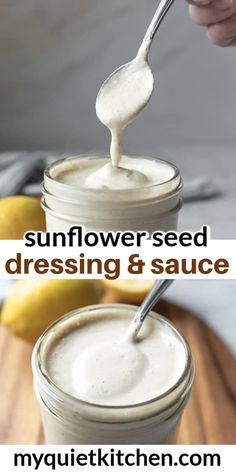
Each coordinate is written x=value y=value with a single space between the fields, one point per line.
x=210 y=417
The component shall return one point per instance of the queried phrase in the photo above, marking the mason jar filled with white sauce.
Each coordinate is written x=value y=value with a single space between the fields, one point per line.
x=143 y=193
x=95 y=386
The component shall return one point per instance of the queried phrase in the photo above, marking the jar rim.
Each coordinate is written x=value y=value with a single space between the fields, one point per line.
x=56 y=391
x=107 y=191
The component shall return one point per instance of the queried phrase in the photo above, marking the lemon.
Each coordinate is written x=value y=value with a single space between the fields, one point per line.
x=34 y=304
x=19 y=214
x=129 y=291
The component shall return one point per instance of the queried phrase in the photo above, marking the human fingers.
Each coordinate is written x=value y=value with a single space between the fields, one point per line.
x=223 y=33
x=213 y=12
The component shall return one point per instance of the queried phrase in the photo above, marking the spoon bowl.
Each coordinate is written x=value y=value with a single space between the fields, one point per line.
x=128 y=89
x=124 y=94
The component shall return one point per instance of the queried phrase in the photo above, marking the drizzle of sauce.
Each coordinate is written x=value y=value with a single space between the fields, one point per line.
x=117 y=178
x=120 y=100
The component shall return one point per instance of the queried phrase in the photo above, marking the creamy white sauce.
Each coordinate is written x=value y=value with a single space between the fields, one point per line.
x=116 y=177
x=95 y=361
x=98 y=173
x=121 y=99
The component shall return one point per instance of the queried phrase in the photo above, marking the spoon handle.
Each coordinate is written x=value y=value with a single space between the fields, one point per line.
x=152 y=298
x=149 y=302
x=157 y=19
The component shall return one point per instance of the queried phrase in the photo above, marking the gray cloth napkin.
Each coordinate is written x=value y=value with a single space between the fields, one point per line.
x=22 y=172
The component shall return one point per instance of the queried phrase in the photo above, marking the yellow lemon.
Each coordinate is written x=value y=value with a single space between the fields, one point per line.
x=34 y=304
x=129 y=291
x=19 y=214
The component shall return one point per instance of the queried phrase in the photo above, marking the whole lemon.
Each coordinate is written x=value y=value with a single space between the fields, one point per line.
x=34 y=304
x=19 y=214
x=129 y=290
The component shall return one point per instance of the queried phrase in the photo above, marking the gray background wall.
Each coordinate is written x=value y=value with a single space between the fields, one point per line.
x=54 y=55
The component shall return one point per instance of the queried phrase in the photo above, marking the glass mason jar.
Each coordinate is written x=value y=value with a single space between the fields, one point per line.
x=68 y=420
x=151 y=208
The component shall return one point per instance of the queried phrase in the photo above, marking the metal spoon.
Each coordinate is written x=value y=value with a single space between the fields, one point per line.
x=157 y=19
x=159 y=287
x=130 y=68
